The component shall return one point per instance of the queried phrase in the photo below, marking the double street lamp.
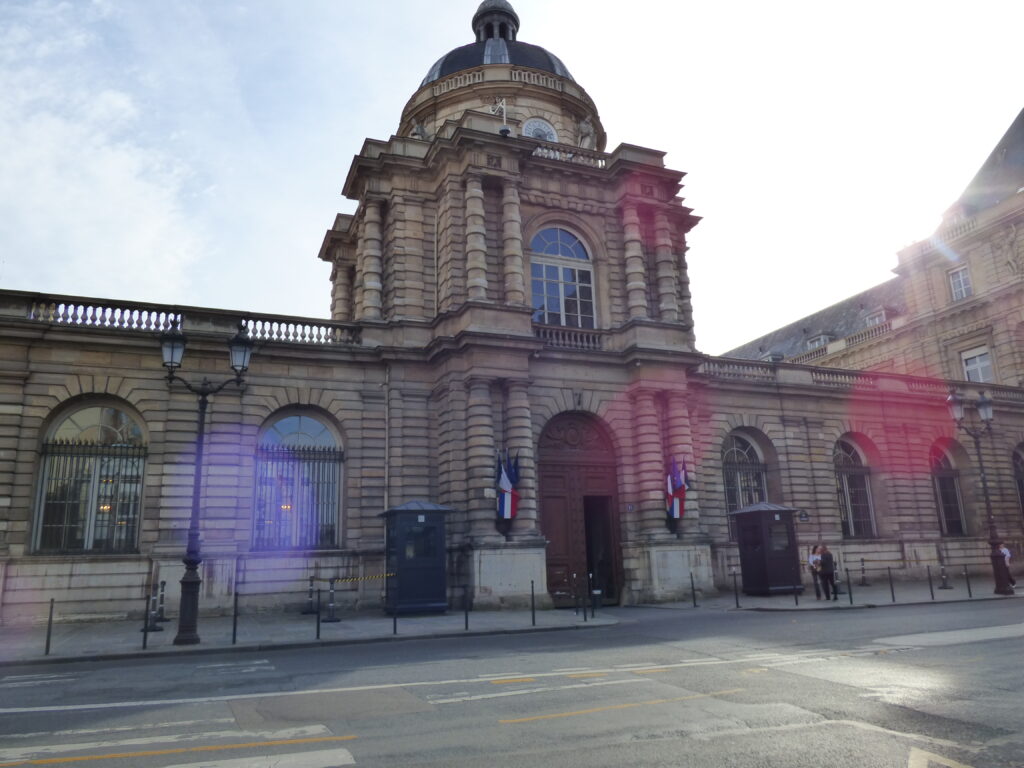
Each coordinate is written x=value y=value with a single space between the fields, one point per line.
x=983 y=405
x=172 y=346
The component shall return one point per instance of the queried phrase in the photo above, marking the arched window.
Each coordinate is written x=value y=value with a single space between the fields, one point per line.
x=946 y=480
x=298 y=485
x=90 y=490
x=561 y=280
x=853 y=488
x=1018 y=475
x=744 y=474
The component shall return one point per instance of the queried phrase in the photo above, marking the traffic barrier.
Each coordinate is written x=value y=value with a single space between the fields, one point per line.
x=332 y=618
x=151 y=624
x=49 y=629
x=160 y=610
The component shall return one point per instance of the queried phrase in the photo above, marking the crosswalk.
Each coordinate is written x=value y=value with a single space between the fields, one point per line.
x=312 y=746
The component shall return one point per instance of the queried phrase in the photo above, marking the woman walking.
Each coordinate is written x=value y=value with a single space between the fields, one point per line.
x=827 y=571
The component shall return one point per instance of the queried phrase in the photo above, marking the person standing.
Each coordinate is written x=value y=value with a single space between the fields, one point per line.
x=1005 y=552
x=827 y=571
x=813 y=561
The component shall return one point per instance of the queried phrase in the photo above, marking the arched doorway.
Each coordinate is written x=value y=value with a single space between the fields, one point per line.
x=579 y=508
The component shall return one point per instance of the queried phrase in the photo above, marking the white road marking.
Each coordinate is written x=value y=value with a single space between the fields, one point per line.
x=921 y=759
x=573 y=669
x=826 y=653
x=547 y=689
x=325 y=758
x=956 y=636
x=120 y=728
x=30 y=752
x=233 y=664
x=500 y=675
x=27 y=681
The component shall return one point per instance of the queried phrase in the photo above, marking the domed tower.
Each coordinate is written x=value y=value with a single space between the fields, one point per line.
x=500 y=261
x=527 y=85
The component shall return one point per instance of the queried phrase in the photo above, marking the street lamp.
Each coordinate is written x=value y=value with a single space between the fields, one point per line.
x=983 y=405
x=172 y=346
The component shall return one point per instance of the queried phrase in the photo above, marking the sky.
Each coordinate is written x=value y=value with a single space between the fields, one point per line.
x=193 y=152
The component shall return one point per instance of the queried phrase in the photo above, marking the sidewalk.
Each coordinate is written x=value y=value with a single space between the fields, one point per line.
x=114 y=639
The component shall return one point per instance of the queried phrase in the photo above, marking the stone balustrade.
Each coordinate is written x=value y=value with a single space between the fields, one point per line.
x=569 y=154
x=569 y=338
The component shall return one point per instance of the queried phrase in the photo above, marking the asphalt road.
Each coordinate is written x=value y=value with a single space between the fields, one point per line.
x=909 y=687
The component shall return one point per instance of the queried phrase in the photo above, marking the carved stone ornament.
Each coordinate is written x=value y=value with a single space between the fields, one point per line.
x=1007 y=249
x=574 y=433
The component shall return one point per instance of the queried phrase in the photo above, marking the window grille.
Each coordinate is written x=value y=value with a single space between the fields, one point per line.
x=298 y=492
x=90 y=497
x=946 y=481
x=853 y=489
x=744 y=476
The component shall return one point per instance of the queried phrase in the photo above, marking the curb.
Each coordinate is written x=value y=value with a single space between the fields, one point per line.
x=267 y=647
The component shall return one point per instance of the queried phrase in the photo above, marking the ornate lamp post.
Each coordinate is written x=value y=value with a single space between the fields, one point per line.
x=172 y=346
x=983 y=405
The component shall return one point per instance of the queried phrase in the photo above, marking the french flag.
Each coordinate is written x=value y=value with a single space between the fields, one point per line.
x=508 y=496
x=676 y=485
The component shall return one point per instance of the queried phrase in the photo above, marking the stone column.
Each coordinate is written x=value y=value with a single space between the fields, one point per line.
x=341 y=298
x=680 y=445
x=373 y=263
x=512 y=221
x=520 y=443
x=668 y=304
x=650 y=469
x=636 y=284
x=480 y=458
x=476 y=243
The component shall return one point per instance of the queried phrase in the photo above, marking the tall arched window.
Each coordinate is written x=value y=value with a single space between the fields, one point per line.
x=946 y=480
x=90 y=490
x=1018 y=475
x=561 y=280
x=853 y=488
x=298 y=485
x=744 y=474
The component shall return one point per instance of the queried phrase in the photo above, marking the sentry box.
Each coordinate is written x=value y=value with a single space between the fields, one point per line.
x=769 y=555
x=416 y=559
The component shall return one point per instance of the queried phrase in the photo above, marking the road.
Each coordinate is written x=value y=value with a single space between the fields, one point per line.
x=909 y=687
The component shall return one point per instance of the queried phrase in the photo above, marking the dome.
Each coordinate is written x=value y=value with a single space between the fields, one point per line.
x=496 y=26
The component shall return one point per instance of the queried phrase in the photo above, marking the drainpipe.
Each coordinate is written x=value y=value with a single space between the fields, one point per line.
x=387 y=436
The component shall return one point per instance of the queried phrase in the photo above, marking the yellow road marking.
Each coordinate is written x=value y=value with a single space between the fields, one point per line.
x=619 y=706
x=648 y=671
x=588 y=674
x=754 y=671
x=513 y=680
x=175 y=751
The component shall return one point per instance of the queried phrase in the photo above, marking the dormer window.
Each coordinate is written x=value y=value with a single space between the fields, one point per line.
x=817 y=342
x=875 y=318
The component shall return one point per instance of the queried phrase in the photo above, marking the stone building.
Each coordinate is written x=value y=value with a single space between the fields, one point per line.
x=505 y=286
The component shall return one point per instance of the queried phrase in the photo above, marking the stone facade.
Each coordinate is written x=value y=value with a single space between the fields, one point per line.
x=459 y=332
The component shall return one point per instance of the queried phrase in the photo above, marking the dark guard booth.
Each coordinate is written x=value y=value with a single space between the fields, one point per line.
x=769 y=556
x=416 y=558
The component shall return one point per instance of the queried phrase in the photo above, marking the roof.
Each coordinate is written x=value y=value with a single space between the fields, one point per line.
x=843 y=319
x=1000 y=176
x=496 y=51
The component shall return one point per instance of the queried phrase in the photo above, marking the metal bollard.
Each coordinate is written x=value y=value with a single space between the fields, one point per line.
x=693 y=590
x=796 y=596
x=533 y=606
x=839 y=580
x=945 y=578
x=465 y=607
x=892 y=589
x=145 y=624
x=234 y=620
x=967 y=578
x=928 y=570
x=735 y=588
x=331 y=617
x=849 y=586
x=151 y=624
x=863 y=575
x=575 y=596
x=595 y=594
x=160 y=609
x=394 y=622
x=318 y=614
x=49 y=629
x=309 y=609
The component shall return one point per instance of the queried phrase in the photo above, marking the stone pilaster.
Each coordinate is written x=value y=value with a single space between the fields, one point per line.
x=520 y=443
x=649 y=464
x=668 y=305
x=512 y=234
x=341 y=291
x=373 y=263
x=480 y=457
x=636 y=283
x=476 y=240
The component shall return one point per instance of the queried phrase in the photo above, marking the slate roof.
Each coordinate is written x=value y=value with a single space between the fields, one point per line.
x=496 y=51
x=1000 y=176
x=843 y=319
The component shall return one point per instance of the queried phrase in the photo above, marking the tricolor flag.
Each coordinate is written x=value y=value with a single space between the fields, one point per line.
x=676 y=486
x=508 y=497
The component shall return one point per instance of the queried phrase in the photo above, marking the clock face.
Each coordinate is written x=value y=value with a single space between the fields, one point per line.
x=538 y=128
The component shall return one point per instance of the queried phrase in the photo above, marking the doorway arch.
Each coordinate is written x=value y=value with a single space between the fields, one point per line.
x=578 y=508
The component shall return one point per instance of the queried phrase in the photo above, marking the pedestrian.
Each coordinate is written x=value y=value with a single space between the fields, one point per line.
x=1005 y=552
x=827 y=572
x=813 y=560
